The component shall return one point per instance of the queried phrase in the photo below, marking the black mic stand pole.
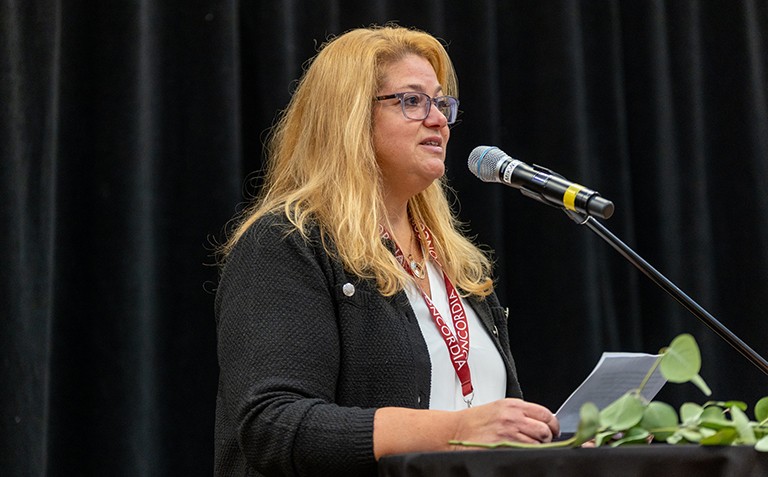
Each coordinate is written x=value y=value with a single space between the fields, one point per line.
x=670 y=288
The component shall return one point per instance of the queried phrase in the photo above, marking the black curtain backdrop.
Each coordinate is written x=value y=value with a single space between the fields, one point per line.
x=131 y=132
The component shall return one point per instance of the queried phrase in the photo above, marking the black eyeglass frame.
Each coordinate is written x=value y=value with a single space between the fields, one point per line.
x=452 y=105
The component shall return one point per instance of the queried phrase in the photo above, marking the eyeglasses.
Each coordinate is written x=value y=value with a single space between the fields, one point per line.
x=416 y=106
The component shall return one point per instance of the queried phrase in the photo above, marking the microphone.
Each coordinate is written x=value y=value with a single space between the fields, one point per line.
x=491 y=164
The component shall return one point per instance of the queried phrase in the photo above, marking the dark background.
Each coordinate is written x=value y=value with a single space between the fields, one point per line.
x=131 y=132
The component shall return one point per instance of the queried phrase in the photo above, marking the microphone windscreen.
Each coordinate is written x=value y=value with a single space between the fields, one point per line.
x=483 y=162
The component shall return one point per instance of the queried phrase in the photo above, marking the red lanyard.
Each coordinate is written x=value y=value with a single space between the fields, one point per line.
x=456 y=341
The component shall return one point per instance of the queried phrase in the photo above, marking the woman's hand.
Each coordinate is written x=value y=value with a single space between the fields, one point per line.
x=507 y=420
x=429 y=430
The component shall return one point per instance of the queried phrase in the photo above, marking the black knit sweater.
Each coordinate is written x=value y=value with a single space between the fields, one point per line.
x=307 y=352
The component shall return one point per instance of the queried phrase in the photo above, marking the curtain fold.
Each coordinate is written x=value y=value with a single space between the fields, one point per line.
x=28 y=184
x=121 y=158
x=131 y=132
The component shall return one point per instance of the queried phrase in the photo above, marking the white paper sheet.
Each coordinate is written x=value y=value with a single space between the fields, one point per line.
x=613 y=376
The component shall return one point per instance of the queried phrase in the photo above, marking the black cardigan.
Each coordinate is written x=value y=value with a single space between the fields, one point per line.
x=305 y=360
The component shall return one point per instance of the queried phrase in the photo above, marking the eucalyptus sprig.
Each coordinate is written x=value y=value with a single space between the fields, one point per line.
x=631 y=419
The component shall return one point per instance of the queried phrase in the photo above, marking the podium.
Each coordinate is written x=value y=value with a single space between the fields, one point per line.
x=630 y=461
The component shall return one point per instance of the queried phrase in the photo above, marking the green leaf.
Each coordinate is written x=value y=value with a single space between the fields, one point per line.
x=714 y=418
x=699 y=382
x=681 y=360
x=741 y=421
x=762 y=445
x=726 y=404
x=675 y=438
x=604 y=438
x=636 y=435
x=712 y=412
x=623 y=413
x=761 y=409
x=723 y=437
x=589 y=421
x=657 y=416
x=691 y=435
x=690 y=413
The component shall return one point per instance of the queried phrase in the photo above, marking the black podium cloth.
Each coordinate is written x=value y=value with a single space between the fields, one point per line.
x=632 y=461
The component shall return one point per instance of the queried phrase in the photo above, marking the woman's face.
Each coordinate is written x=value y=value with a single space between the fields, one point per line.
x=410 y=153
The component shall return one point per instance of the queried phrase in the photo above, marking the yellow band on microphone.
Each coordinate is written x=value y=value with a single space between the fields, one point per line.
x=569 y=197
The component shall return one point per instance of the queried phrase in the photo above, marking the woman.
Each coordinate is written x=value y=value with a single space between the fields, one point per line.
x=341 y=334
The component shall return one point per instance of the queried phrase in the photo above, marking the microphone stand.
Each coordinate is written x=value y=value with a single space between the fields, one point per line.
x=669 y=287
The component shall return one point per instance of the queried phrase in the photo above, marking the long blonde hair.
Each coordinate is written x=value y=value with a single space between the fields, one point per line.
x=320 y=161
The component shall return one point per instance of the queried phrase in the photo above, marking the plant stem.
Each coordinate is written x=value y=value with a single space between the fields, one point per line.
x=517 y=445
x=648 y=374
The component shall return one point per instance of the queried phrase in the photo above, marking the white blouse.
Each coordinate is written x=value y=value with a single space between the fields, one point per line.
x=489 y=377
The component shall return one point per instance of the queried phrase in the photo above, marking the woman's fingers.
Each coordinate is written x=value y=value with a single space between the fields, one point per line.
x=509 y=419
x=539 y=423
